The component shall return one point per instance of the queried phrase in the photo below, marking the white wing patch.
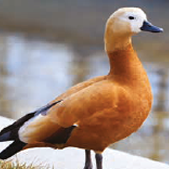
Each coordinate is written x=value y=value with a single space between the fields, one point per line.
x=75 y=125
x=26 y=129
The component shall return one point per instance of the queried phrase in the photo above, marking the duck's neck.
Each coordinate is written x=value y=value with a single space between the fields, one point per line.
x=125 y=65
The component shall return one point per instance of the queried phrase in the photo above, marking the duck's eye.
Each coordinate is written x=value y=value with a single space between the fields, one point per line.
x=131 y=17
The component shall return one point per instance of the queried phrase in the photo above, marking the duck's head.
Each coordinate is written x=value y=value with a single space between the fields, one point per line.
x=125 y=22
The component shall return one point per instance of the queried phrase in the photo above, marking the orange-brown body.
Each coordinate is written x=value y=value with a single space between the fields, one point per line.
x=106 y=109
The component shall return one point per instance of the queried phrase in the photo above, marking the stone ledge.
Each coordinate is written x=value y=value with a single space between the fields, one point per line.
x=73 y=158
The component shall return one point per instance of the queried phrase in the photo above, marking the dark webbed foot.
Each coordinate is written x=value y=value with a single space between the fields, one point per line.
x=88 y=161
x=99 y=159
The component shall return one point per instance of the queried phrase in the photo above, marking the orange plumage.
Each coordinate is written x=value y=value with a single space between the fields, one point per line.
x=106 y=109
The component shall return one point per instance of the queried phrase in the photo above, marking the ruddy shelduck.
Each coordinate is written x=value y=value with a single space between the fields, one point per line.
x=100 y=111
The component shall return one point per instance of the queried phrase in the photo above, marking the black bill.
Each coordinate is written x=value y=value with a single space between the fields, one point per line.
x=147 y=26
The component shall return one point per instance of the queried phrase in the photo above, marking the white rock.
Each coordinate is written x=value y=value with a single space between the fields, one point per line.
x=73 y=158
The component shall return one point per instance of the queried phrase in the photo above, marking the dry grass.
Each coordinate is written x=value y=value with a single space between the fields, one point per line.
x=10 y=165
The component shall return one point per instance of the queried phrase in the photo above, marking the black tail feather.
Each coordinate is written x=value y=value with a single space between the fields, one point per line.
x=12 y=149
x=5 y=137
x=11 y=132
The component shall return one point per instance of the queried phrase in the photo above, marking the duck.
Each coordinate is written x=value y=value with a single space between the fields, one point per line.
x=100 y=111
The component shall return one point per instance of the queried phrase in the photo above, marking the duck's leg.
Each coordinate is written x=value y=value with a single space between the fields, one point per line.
x=99 y=159
x=88 y=160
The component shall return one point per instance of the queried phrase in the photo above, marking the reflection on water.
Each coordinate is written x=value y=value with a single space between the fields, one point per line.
x=34 y=71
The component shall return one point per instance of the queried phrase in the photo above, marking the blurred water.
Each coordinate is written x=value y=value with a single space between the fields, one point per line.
x=34 y=71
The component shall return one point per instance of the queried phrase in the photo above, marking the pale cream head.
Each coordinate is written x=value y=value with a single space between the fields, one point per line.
x=127 y=20
x=121 y=25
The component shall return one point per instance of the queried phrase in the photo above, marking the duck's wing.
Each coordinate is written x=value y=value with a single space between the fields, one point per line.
x=63 y=116
x=11 y=132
